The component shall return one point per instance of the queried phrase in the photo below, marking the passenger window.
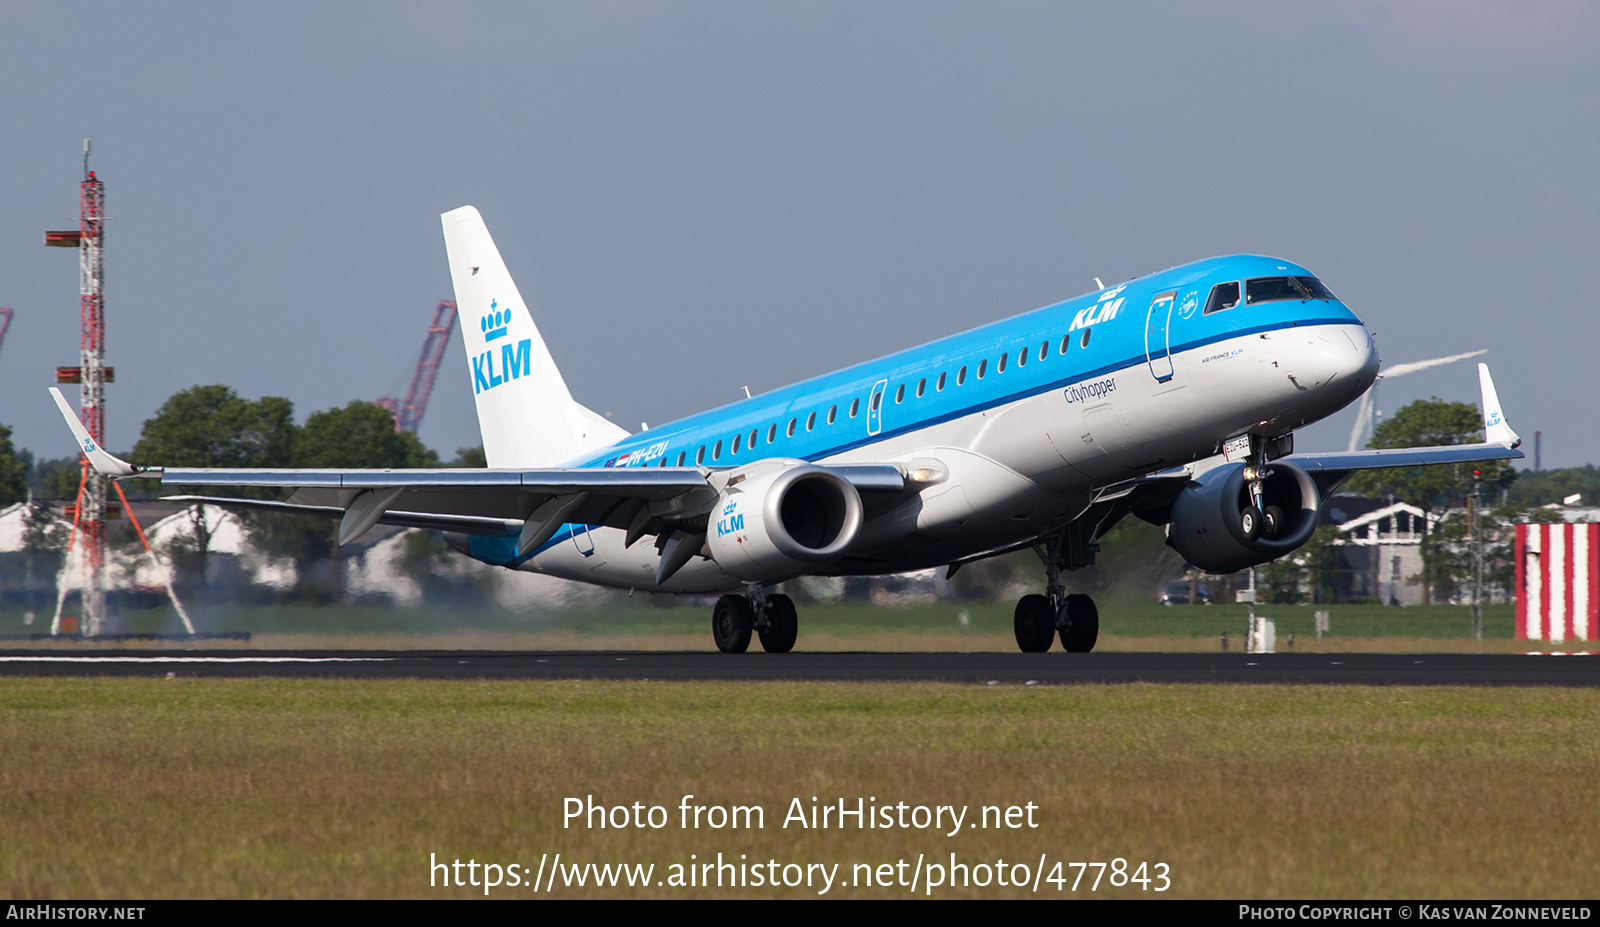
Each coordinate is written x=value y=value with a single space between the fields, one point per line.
x=961 y=376
x=1022 y=357
x=877 y=399
x=811 y=421
x=1084 y=341
x=1044 y=350
x=899 y=394
x=681 y=455
x=983 y=367
x=716 y=450
x=922 y=387
x=736 y=441
x=790 y=431
x=1000 y=365
x=754 y=433
x=833 y=413
x=1065 y=340
x=939 y=386
x=855 y=404
x=700 y=455
x=1223 y=296
x=772 y=432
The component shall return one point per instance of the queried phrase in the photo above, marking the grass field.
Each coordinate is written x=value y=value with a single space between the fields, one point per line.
x=1127 y=623
x=321 y=788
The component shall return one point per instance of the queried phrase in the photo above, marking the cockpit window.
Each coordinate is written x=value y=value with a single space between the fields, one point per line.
x=1223 y=296
x=1270 y=289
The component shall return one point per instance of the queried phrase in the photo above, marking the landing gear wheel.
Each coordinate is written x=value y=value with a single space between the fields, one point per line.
x=1035 y=625
x=1082 y=627
x=1250 y=519
x=782 y=625
x=731 y=621
x=1273 y=521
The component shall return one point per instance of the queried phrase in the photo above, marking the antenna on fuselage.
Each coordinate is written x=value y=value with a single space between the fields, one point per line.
x=1098 y=285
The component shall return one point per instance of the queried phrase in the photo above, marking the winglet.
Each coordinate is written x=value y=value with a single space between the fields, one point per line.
x=1495 y=428
x=105 y=464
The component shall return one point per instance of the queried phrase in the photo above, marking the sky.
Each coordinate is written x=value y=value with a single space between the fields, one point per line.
x=695 y=197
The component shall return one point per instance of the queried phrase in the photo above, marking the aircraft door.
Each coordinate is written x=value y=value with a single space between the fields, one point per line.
x=875 y=407
x=1157 y=327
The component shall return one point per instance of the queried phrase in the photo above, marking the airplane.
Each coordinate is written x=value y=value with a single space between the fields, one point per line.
x=1172 y=397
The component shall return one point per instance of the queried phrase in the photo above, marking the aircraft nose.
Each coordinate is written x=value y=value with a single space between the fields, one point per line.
x=1345 y=358
x=1360 y=364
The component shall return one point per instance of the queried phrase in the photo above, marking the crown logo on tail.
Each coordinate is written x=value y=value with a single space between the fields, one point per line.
x=495 y=324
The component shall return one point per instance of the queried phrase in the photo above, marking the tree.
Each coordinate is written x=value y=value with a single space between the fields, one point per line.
x=57 y=478
x=1448 y=549
x=1546 y=486
x=359 y=436
x=13 y=471
x=470 y=457
x=1428 y=423
x=1312 y=572
x=211 y=426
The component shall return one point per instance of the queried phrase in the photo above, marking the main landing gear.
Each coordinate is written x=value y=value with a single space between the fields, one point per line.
x=738 y=615
x=1076 y=619
x=1039 y=618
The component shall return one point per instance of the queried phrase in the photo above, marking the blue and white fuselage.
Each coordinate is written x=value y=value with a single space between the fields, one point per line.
x=1026 y=419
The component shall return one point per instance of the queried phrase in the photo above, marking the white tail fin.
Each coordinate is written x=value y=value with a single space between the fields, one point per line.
x=525 y=413
x=1496 y=430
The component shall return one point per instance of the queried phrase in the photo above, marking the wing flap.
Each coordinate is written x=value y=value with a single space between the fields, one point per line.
x=464 y=523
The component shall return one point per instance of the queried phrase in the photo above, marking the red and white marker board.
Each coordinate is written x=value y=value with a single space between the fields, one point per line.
x=1558 y=582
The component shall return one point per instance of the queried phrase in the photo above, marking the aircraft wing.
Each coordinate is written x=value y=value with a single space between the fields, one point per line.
x=1348 y=461
x=641 y=500
x=1499 y=443
x=1153 y=494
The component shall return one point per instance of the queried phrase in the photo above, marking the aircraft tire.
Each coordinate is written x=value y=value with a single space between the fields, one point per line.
x=1083 y=624
x=1272 y=522
x=1250 y=522
x=731 y=622
x=1034 y=624
x=783 y=625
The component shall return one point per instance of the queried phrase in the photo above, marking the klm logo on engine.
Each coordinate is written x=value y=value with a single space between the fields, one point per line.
x=515 y=362
x=732 y=520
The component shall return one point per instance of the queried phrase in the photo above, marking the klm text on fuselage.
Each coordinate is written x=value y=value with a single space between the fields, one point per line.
x=515 y=361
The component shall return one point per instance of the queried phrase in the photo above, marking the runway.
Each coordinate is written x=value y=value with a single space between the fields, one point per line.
x=967 y=668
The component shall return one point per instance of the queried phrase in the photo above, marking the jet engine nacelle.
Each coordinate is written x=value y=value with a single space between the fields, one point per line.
x=784 y=522
x=1207 y=525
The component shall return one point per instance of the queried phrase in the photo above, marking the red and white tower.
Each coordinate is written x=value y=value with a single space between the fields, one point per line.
x=91 y=375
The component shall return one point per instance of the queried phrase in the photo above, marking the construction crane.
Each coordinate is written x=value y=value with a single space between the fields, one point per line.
x=408 y=411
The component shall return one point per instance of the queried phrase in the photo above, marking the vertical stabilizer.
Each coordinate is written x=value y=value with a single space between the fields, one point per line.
x=525 y=412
